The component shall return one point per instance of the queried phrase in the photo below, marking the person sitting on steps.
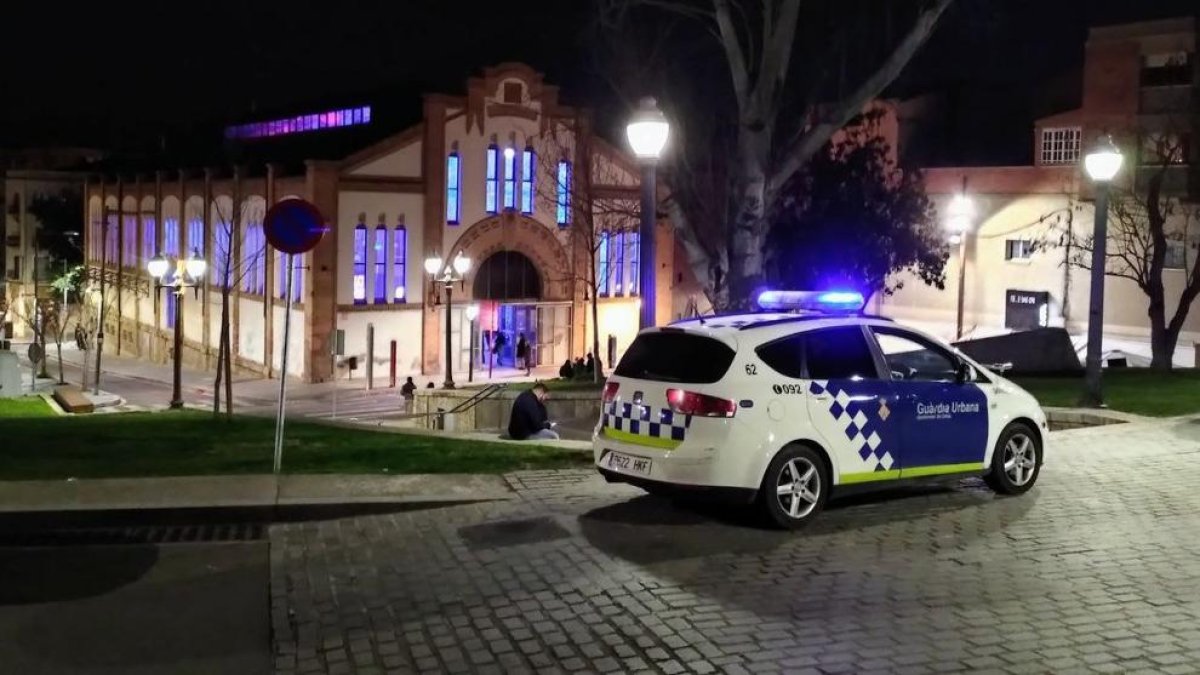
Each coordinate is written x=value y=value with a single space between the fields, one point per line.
x=529 y=420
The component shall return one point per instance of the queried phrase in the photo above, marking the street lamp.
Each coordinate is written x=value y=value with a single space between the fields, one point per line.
x=188 y=273
x=960 y=216
x=472 y=314
x=647 y=131
x=1101 y=165
x=448 y=274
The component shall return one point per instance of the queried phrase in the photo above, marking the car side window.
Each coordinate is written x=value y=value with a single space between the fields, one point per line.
x=785 y=355
x=910 y=358
x=840 y=353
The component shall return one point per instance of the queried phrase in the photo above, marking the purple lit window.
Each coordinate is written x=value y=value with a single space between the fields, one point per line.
x=171 y=237
x=253 y=267
x=360 y=265
x=528 y=160
x=170 y=313
x=492 y=182
x=195 y=241
x=149 y=239
x=381 y=251
x=301 y=123
x=224 y=255
x=634 y=238
x=399 y=249
x=619 y=268
x=510 y=178
x=602 y=267
x=297 y=277
x=298 y=280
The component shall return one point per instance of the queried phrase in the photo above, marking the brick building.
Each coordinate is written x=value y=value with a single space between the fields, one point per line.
x=505 y=175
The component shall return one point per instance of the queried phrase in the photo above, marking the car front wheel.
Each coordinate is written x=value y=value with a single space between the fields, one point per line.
x=795 y=487
x=1016 y=461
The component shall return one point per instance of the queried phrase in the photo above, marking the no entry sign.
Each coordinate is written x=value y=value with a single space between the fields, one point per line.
x=293 y=226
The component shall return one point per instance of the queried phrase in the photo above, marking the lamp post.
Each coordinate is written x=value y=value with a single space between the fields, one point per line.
x=472 y=314
x=959 y=221
x=448 y=274
x=187 y=273
x=647 y=131
x=1101 y=165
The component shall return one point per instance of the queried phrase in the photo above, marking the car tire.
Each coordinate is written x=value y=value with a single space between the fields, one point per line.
x=786 y=502
x=1016 y=460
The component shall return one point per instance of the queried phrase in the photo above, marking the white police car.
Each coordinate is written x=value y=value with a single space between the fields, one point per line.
x=788 y=408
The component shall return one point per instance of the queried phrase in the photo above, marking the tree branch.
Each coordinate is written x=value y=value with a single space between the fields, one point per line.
x=807 y=145
x=732 y=45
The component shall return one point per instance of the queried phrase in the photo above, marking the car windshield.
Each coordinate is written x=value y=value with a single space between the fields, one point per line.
x=675 y=357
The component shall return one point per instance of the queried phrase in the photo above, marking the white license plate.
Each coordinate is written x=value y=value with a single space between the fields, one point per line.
x=628 y=464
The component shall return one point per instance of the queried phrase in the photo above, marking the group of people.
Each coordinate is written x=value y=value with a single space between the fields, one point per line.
x=578 y=368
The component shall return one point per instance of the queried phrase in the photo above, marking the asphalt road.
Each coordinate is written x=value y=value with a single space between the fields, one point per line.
x=134 y=609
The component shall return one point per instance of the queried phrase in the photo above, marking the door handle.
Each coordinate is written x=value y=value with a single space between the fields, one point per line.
x=821 y=397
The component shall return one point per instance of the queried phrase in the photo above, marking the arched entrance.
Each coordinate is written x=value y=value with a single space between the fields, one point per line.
x=507 y=276
x=508 y=289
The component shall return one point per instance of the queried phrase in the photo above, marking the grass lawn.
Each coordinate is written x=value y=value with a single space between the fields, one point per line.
x=191 y=443
x=25 y=406
x=1139 y=391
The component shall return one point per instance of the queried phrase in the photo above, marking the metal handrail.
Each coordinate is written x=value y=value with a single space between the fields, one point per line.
x=475 y=400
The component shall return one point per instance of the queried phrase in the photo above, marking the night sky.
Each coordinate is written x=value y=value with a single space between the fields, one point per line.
x=119 y=74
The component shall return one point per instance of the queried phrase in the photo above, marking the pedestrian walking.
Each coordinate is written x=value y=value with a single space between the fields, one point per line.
x=523 y=352
x=408 y=390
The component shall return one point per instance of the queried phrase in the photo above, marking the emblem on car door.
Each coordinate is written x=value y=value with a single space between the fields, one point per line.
x=637 y=397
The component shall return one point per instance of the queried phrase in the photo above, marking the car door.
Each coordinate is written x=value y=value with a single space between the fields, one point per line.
x=943 y=422
x=850 y=404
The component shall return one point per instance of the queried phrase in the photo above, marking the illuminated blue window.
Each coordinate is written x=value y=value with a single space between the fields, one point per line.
x=492 y=184
x=399 y=250
x=528 y=160
x=224 y=253
x=602 y=267
x=360 y=265
x=453 y=190
x=619 y=268
x=171 y=300
x=381 y=260
x=634 y=239
x=510 y=178
x=195 y=240
x=563 y=190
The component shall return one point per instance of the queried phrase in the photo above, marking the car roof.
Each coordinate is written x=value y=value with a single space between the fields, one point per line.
x=755 y=328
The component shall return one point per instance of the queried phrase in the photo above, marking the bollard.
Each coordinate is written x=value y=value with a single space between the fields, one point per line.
x=392 y=374
x=370 y=356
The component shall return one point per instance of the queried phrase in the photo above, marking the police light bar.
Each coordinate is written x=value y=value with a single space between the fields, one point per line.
x=817 y=301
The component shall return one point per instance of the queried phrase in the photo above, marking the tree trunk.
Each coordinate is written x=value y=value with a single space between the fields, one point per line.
x=1162 y=348
x=748 y=236
x=596 y=372
x=62 y=376
x=220 y=372
x=225 y=329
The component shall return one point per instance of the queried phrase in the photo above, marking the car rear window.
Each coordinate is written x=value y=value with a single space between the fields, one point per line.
x=675 y=357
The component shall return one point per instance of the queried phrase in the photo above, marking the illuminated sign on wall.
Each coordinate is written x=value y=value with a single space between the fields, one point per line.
x=331 y=119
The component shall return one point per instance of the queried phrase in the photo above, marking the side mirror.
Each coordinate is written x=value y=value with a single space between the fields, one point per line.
x=962 y=374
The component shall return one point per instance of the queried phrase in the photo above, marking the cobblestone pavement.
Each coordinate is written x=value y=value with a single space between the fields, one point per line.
x=1096 y=570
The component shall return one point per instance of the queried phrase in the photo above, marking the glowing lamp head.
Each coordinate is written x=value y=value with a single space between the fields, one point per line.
x=433 y=265
x=461 y=263
x=158 y=266
x=648 y=130
x=195 y=266
x=472 y=312
x=813 y=301
x=1104 y=161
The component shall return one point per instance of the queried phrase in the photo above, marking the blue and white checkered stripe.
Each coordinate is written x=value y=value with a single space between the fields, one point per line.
x=864 y=421
x=640 y=419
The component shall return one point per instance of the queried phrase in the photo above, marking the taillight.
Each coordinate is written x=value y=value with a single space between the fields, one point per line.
x=610 y=390
x=703 y=405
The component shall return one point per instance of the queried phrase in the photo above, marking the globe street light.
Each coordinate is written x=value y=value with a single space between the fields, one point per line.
x=1101 y=165
x=959 y=217
x=448 y=275
x=647 y=131
x=188 y=273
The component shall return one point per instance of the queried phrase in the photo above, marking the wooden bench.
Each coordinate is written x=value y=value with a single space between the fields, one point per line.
x=72 y=400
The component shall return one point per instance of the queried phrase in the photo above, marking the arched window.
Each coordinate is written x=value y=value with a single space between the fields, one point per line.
x=223 y=261
x=360 y=265
x=149 y=238
x=129 y=252
x=602 y=271
x=510 y=178
x=195 y=237
x=399 y=250
x=528 y=160
x=297 y=279
x=563 y=192
x=253 y=256
x=635 y=252
x=381 y=251
x=110 y=241
x=492 y=184
x=453 y=191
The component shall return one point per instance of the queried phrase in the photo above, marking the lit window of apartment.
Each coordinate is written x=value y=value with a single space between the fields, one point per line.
x=1167 y=69
x=1060 y=145
x=1018 y=249
x=1165 y=148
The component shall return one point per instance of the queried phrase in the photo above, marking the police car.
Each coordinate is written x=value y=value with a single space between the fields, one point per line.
x=804 y=401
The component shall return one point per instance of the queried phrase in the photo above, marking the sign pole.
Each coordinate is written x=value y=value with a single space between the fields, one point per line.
x=287 y=330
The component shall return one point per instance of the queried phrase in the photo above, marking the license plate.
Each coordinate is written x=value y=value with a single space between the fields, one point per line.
x=628 y=464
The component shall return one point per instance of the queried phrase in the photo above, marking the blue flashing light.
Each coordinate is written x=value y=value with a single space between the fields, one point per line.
x=819 y=301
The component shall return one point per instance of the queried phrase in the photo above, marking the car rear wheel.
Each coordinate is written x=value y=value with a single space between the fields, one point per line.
x=795 y=487
x=1016 y=461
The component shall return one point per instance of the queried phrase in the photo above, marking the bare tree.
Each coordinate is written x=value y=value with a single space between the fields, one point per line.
x=1152 y=228
x=230 y=270
x=593 y=217
x=797 y=72
x=69 y=284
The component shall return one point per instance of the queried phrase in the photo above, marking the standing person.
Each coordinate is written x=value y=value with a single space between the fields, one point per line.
x=408 y=390
x=523 y=352
x=590 y=365
x=528 y=420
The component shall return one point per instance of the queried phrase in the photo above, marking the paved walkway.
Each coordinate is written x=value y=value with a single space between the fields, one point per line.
x=1096 y=570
